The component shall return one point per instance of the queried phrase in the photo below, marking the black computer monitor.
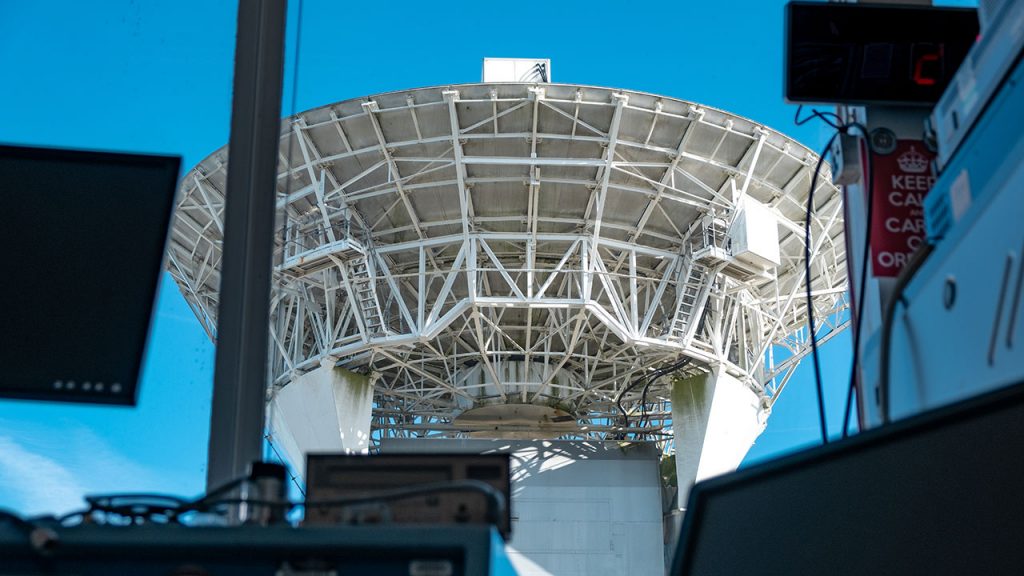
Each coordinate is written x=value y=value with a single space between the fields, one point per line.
x=942 y=493
x=83 y=237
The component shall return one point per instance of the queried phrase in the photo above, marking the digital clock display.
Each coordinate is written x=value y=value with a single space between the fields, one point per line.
x=874 y=53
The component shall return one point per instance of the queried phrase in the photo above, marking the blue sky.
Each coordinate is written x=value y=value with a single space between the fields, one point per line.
x=155 y=76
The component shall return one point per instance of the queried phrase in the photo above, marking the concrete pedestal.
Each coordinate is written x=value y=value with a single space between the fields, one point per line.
x=716 y=419
x=325 y=410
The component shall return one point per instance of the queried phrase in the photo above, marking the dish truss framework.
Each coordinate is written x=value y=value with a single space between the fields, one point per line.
x=509 y=246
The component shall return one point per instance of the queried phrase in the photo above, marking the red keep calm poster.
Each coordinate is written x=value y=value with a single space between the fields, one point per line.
x=900 y=181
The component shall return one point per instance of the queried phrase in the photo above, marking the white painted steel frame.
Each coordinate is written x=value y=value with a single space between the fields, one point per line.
x=460 y=199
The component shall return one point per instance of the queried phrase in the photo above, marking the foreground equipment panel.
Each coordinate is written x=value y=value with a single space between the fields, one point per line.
x=337 y=476
x=256 y=551
x=934 y=494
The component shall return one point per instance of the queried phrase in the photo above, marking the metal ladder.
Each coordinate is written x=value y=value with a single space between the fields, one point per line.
x=693 y=296
x=364 y=289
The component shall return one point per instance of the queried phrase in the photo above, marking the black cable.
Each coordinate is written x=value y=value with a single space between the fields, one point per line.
x=214 y=504
x=646 y=379
x=836 y=122
x=830 y=118
x=643 y=396
x=643 y=402
x=869 y=186
x=222 y=489
x=136 y=512
x=896 y=298
x=618 y=399
x=144 y=505
x=807 y=272
x=286 y=467
x=141 y=497
x=150 y=507
x=132 y=505
x=495 y=499
x=137 y=505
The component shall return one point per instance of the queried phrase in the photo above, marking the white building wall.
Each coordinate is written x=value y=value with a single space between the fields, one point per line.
x=578 y=508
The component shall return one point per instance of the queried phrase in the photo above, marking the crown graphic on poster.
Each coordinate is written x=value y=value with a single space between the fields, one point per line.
x=913 y=162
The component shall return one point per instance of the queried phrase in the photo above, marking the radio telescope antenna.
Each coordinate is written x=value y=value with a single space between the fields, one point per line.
x=523 y=260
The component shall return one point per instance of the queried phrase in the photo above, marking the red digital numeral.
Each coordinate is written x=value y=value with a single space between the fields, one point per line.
x=921 y=77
